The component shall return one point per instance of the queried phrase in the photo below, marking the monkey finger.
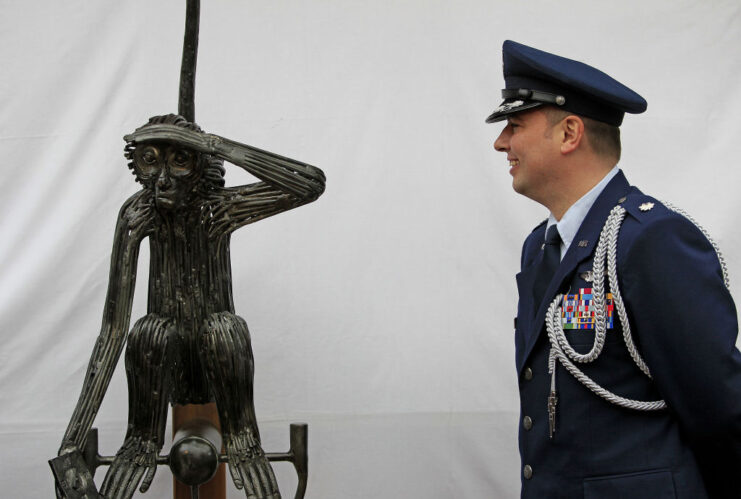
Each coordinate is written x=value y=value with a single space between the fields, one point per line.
x=235 y=472
x=130 y=487
x=249 y=486
x=118 y=488
x=128 y=482
x=263 y=469
x=255 y=479
x=271 y=476
x=113 y=477
x=148 y=478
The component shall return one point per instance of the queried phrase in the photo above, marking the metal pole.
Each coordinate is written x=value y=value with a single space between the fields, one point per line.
x=186 y=101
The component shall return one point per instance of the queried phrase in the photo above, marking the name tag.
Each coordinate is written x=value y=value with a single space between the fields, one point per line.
x=577 y=311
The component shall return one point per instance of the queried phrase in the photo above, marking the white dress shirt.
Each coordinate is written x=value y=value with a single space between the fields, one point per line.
x=569 y=224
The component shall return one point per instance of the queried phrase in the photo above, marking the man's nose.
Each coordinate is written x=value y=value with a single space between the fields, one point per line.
x=502 y=142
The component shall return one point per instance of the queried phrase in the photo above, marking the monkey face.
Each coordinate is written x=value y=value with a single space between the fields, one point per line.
x=170 y=170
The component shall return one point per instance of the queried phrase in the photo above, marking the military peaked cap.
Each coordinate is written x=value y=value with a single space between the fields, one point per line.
x=533 y=78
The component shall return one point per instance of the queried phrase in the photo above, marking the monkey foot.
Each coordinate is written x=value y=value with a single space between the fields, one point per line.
x=135 y=460
x=249 y=467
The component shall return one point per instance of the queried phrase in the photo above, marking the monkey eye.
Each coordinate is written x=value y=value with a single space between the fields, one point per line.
x=147 y=159
x=182 y=161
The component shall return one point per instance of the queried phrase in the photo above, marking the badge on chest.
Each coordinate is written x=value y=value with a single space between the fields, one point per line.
x=577 y=311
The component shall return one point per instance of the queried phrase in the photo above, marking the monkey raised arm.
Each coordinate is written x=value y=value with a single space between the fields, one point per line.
x=291 y=177
x=286 y=183
x=131 y=228
x=301 y=181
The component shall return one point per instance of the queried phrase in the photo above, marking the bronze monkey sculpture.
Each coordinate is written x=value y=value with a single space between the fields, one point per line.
x=191 y=347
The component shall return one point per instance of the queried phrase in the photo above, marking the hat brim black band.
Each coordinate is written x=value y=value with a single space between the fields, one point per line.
x=533 y=95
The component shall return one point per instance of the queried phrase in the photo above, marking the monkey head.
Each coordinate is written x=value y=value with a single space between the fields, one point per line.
x=169 y=156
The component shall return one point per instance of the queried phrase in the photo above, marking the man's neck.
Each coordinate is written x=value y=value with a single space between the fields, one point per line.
x=581 y=182
x=569 y=223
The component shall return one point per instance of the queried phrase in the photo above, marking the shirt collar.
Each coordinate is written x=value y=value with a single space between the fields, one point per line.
x=574 y=216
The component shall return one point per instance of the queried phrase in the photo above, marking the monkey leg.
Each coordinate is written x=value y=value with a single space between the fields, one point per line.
x=148 y=380
x=226 y=354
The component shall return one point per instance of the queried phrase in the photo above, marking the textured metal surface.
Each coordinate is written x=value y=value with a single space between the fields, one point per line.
x=72 y=477
x=186 y=100
x=181 y=416
x=298 y=454
x=194 y=456
x=191 y=347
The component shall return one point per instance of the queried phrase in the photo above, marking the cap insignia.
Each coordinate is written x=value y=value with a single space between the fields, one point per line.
x=508 y=106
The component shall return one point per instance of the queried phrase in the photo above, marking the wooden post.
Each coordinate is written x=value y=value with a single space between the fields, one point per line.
x=216 y=488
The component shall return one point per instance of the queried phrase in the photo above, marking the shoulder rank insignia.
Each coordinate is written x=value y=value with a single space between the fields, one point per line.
x=646 y=206
x=577 y=311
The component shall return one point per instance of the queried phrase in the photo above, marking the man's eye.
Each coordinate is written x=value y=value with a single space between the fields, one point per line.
x=149 y=158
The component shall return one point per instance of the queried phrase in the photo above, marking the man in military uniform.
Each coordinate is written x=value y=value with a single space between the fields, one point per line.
x=629 y=378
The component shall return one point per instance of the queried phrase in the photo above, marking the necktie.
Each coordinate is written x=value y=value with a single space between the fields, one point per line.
x=548 y=264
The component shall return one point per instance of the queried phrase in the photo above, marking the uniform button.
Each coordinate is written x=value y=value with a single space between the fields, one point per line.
x=527 y=472
x=527 y=422
x=528 y=374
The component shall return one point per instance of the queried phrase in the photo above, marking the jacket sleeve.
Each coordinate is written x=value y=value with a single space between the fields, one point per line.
x=685 y=325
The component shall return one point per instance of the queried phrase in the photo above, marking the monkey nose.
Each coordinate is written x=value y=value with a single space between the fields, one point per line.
x=163 y=182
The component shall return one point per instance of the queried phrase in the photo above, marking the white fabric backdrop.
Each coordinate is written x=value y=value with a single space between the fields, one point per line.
x=381 y=314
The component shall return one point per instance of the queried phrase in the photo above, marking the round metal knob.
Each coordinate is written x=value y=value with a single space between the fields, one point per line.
x=194 y=457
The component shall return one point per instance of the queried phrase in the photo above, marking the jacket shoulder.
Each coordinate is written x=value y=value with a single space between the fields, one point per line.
x=647 y=209
x=537 y=233
x=532 y=242
x=541 y=224
x=661 y=226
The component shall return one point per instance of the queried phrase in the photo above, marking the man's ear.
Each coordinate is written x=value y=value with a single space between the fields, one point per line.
x=572 y=133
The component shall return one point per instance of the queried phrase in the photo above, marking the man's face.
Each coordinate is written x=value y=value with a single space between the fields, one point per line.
x=170 y=170
x=532 y=146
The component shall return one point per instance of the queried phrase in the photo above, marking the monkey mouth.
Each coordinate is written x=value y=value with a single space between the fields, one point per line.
x=165 y=199
x=166 y=203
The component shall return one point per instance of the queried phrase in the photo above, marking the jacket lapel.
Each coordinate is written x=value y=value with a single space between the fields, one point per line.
x=579 y=250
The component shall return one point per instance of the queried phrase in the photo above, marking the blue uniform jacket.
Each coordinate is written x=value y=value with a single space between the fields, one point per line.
x=684 y=323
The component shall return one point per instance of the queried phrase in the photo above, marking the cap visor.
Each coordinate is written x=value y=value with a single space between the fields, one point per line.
x=511 y=106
